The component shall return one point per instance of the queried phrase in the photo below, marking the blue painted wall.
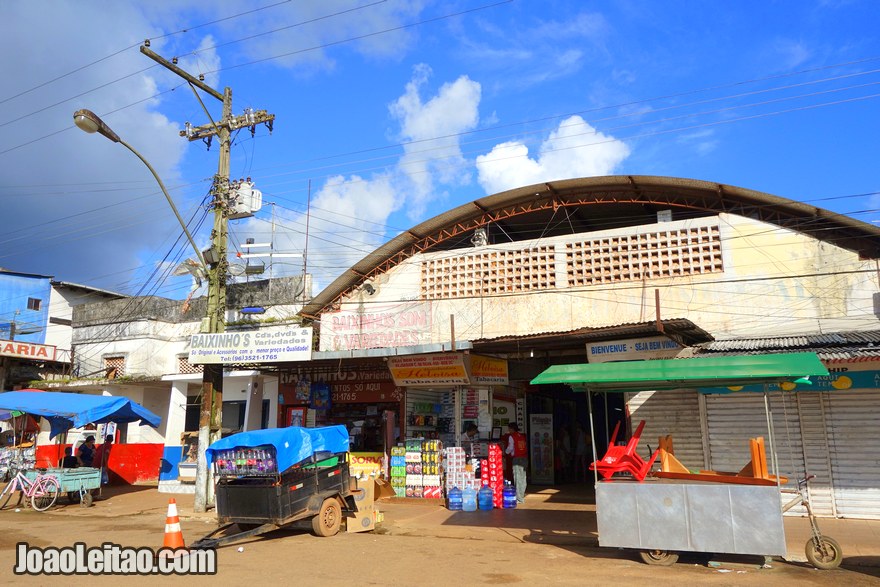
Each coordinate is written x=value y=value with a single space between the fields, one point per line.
x=15 y=289
x=168 y=468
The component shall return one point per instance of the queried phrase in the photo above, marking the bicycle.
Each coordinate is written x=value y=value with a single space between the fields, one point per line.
x=823 y=552
x=42 y=491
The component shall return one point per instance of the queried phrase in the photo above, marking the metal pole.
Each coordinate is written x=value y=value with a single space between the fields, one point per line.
x=770 y=433
x=593 y=435
x=211 y=415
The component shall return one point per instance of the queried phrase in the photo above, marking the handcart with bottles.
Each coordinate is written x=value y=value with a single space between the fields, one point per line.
x=291 y=477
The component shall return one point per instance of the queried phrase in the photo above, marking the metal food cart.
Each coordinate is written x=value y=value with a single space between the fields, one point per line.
x=661 y=517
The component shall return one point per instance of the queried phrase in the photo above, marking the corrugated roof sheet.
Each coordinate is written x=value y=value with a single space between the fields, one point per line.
x=837 y=347
x=871 y=337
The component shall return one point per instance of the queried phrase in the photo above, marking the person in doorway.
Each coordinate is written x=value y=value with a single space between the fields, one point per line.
x=518 y=449
x=102 y=458
x=471 y=435
x=69 y=461
x=580 y=453
x=563 y=455
x=86 y=452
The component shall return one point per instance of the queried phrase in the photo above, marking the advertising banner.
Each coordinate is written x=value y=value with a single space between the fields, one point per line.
x=633 y=349
x=428 y=370
x=265 y=345
x=447 y=369
x=488 y=370
x=541 y=448
x=347 y=386
x=377 y=326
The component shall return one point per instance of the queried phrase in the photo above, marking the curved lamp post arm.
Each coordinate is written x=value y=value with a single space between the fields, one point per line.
x=90 y=123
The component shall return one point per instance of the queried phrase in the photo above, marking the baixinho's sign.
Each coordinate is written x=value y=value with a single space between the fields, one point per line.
x=265 y=345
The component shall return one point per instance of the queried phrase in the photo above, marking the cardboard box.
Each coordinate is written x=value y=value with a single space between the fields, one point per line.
x=383 y=489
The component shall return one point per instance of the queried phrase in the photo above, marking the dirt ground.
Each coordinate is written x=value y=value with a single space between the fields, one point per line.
x=380 y=558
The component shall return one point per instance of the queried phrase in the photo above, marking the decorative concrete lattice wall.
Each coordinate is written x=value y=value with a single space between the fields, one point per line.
x=489 y=273
x=651 y=255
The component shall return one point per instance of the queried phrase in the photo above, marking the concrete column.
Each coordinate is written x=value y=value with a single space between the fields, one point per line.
x=254 y=408
x=176 y=420
x=270 y=391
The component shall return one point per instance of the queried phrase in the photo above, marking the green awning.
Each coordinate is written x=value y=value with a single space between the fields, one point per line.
x=701 y=372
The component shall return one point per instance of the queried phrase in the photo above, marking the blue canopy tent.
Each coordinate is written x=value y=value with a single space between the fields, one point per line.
x=71 y=410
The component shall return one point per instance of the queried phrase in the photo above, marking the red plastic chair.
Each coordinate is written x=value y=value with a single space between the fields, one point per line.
x=624 y=459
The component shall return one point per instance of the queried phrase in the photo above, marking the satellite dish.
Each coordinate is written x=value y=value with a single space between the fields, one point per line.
x=236 y=269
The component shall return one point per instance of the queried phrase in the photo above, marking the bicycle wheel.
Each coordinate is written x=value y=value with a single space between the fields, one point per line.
x=45 y=493
x=6 y=496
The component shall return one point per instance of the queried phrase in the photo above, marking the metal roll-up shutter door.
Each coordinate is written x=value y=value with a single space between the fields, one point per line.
x=814 y=434
x=670 y=412
x=854 y=439
x=735 y=418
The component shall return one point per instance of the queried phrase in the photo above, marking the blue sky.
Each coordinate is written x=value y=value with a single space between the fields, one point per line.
x=388 y=113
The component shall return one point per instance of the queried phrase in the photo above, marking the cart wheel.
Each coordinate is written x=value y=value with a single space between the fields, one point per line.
x=46 y=496
x=328 y=520
x=662 y=558
x=86 y=500
x=825 y=555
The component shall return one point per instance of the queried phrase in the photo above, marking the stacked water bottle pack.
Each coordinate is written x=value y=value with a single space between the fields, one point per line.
x=246 y=462
x=398 y=470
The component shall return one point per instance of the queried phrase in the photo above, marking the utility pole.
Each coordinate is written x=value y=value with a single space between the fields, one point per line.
x=214 y=321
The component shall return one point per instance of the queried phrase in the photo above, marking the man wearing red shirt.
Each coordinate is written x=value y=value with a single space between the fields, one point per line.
x=518 y=449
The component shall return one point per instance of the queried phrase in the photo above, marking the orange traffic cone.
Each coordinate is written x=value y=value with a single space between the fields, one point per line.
x=173 y=534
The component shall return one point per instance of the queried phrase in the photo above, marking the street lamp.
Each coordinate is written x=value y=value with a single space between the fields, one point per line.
x=91 y=123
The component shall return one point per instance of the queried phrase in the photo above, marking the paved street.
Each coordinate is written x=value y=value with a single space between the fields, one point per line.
x=419 y=544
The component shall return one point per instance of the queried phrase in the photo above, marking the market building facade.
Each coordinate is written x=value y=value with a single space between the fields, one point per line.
x=625 y=268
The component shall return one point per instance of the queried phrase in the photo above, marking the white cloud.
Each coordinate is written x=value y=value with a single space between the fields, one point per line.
x=347 y=220
x=431 y=132
x=573 y=149
x=349 y=214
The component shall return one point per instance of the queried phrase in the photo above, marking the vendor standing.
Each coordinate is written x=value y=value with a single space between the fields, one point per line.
x=471 y=435
x=101 y=458
x=518 y=449
x=86 y=452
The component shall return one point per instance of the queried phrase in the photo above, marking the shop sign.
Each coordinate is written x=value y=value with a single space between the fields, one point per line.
x=633 y=349
x=377 y=326
x=488 y=371
x=27 y=350
x=840 y=378
x=346 y=386
x=429 y=370
x=365 y=463
x=264 y=345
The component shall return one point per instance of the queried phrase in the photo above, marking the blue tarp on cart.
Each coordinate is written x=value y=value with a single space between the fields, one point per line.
x=72 y=410
x=292 y=445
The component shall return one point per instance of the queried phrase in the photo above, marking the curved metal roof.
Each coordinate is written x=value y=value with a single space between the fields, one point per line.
x=625 y=199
